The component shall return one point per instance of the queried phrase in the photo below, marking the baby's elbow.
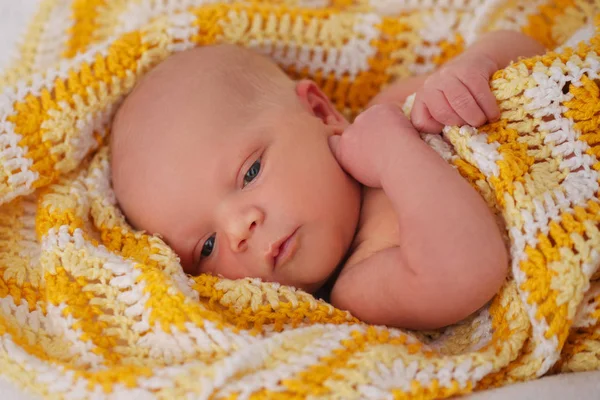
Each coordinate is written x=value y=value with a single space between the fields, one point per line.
x=489 y=269
x=480 y=282
x=496 y=264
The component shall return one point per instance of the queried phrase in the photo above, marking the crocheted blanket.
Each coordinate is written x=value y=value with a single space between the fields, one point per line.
x=90 y=308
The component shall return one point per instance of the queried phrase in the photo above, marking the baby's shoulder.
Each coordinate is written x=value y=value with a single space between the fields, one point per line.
x=377 y=230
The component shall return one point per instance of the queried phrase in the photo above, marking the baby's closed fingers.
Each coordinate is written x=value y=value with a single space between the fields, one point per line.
x=432 y=111
x=477 y=81
x=482 y=94
x=462 y=102
x=422 y=119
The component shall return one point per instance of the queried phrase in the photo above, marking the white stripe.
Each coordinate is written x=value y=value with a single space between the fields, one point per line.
x=350 y=59
x=587 y=307
x=99 y=190
x=328 y=340
x=48 y=374
x=13 y=159
x=402 y=375
x=546 y=99
x=140 y=13
x=517 y=19
x=471 y=27
x=53 y=41
x=174 y=346
x=182 y=29
x=583 y=34
x=395 y=7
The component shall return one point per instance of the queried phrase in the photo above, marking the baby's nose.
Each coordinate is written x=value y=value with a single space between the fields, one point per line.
x=242 y=227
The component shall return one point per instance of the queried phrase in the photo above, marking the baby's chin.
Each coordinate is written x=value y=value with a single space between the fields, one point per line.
x=323 y=275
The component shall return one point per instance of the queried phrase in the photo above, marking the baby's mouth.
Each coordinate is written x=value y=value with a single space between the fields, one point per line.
x=281 y=251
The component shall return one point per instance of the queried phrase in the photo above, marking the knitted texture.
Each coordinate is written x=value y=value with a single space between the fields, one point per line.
x=90 y=308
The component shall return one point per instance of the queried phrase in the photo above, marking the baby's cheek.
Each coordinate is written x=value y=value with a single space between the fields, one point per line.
x=229 y=266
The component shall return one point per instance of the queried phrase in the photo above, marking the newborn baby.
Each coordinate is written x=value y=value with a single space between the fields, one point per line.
x=247 y=173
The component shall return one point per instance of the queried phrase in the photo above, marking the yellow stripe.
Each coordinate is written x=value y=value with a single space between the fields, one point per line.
x=503 y=11
x=469 y=171
x=108 y=18
x=241 y=313
x=94 y=21
x=515 y=163
x=540 y=26
x=450 y=49
x=39 y=345
x=127 y=375
x=550 y=57
x=584 y=110
x=208 y=23
x=511 y=330
x=318 y=378
x=582 y=349
x=170 y=310
x=84 y=15
x=259 y=23
x=16 y=277
x=63 y=288
x=32 y=113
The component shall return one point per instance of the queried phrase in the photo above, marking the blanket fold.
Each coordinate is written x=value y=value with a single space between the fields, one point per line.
x=90 y=308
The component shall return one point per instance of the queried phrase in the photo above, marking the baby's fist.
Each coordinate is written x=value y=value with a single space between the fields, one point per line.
x=458 y=94
x=366 y=146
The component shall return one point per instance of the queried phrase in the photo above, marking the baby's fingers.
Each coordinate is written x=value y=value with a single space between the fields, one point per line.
x=460 y=98
x=422 y=119
x=431 y=111
x=479 y=87
x=343 y=147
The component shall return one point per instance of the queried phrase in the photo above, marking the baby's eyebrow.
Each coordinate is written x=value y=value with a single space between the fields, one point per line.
x=218 y=173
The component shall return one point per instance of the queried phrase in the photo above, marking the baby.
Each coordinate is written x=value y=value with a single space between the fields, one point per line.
x=247 y=173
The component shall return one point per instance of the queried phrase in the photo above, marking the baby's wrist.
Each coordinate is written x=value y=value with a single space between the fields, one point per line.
x=480 y=57
x=395 y=154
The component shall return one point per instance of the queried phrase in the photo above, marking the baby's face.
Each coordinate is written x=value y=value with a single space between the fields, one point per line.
x=253 y=194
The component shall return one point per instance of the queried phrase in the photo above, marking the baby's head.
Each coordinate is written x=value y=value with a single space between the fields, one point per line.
x=226 y=158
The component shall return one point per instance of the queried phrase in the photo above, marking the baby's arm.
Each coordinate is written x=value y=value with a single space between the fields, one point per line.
x=398 y=91
x=451 y=259
x=458 y=93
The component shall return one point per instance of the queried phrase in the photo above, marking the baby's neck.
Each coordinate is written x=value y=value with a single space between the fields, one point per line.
x=324 y=291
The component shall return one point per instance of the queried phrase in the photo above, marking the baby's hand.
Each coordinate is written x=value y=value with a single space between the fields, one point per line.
x=366 y=146
x=458 y=94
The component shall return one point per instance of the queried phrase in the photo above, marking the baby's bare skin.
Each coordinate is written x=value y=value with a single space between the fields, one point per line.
x=218 y=147
x=233 y=168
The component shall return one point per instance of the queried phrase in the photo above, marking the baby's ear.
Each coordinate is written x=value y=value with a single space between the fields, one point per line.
x=319 y=105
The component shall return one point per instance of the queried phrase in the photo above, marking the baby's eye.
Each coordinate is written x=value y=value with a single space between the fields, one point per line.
x=252 y=172
x=208 y=247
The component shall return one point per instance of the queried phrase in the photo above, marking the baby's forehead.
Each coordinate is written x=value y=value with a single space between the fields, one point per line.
x=180 y=116
x=211 y=137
